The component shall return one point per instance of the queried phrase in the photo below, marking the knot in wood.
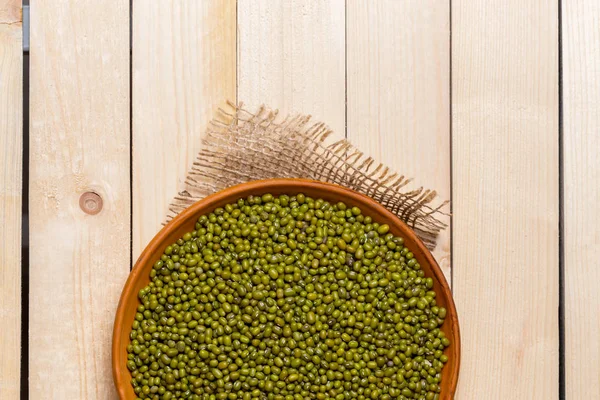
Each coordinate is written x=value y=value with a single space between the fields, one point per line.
x=90 y=203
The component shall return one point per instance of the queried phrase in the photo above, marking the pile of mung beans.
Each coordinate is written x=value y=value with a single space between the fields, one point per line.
x=287 y=298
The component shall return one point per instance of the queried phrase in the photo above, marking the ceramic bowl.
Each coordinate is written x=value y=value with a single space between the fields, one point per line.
x=185 y=222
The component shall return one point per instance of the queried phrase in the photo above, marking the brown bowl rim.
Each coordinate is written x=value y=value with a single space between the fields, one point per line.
x=121 y=375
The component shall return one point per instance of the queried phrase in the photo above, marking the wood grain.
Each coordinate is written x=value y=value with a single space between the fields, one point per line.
x=11 y=175
x=79 y=138
x=581 y=155
x=505 y=195
x=184 y=68
x=399 y=92
x=291 y=56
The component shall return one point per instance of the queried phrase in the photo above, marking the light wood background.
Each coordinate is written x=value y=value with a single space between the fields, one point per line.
x=505 y=176
x=79 y=142
x=11 y=169
x=581 y=162
x=466 y=96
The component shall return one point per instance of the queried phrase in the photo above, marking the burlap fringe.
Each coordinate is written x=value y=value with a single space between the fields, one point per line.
x=241 y=146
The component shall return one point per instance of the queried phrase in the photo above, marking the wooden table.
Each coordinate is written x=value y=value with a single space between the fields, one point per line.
x=495 y=103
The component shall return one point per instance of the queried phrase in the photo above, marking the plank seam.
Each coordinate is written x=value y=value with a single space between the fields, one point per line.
x=346 y=69
x=237 y=58
x=451 y=146
x=562 y=393
x=130 y=135
x=24 y=368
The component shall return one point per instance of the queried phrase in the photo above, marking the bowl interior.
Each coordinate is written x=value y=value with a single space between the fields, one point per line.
x=185 y=222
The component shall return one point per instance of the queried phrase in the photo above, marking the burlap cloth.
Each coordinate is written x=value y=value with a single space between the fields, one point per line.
x=241 y=146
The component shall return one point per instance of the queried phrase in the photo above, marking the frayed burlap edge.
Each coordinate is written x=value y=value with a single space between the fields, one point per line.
x=241 y=146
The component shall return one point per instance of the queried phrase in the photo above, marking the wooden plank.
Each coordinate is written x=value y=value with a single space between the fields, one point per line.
x=79 y=130
x=399 y=91
x=291 y=56
x=581 y=118
x=11 y=152
x=506 y=196
x=184 y=68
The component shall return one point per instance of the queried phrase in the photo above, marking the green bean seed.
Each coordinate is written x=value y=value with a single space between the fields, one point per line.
x=287 y=298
